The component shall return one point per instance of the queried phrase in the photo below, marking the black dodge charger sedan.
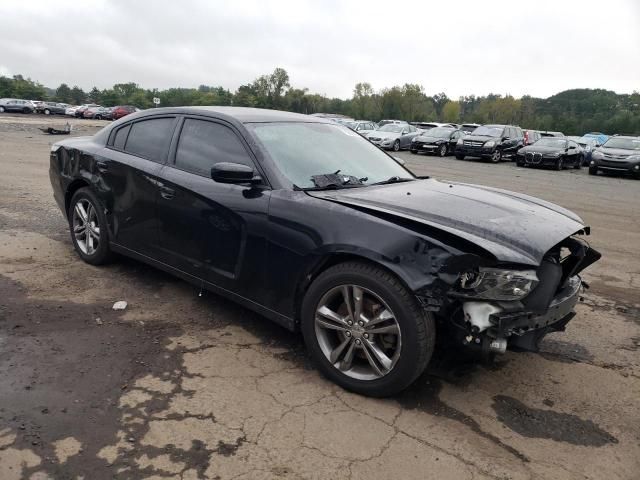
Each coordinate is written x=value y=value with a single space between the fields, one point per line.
x=552 y=152
x=312 y=226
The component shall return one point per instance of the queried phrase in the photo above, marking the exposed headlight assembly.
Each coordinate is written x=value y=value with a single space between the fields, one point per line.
x=597 y=155
x=497 y=284
x=489 y=144
x=460 y=141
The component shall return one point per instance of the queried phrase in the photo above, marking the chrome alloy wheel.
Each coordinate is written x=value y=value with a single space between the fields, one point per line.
x=85 y=226
x=357 y=332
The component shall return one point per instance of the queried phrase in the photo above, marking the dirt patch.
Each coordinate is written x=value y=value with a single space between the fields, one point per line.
x=561 y=351
x=63 y=373
x=561 y=427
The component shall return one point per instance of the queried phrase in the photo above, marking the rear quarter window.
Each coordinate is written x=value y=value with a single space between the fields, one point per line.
x=120 y=137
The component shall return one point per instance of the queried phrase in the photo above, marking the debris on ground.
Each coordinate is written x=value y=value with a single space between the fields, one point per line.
x=120 y=305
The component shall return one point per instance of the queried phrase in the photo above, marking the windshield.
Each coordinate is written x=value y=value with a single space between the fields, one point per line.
x=439 y=132
x=488 y=131
x=551 y=142
x=624 y=143
x=391 y=127
x=586 y=140
x=301 y=150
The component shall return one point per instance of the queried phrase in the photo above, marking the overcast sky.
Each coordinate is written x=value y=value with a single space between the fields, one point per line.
x=537 y=47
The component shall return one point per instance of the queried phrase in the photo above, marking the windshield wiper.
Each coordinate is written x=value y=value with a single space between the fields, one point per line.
x=395 y=179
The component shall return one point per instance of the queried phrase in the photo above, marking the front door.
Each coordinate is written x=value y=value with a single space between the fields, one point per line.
x=214 y=231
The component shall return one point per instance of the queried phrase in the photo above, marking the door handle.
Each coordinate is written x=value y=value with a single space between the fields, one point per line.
x=167 y=193
x=102 y=166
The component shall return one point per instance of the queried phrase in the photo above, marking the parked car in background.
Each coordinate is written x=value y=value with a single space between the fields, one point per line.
x=491 y=142
x=324 y=234
x=588 y=145
x=52 y=108
x=16 y=105
x=98 y=113
x=440 y=140
x=393 y=136
x=71 y=110
x=469 y=127
x=551 y=134
x=120 y=111
x=363 y=127
x=619 y=154
x=81 y=109
x=382 y=123
x=531 y=136
x=555 y=152
x=600 y=137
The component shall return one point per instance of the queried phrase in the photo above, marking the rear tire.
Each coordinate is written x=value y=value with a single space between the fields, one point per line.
x=47 y=111
x=343 y=354
x=88 y=227
x=26 y=110
x=1 y=109
x=415 y=152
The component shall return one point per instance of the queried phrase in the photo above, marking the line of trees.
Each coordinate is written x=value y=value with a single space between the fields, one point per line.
x=572 y=111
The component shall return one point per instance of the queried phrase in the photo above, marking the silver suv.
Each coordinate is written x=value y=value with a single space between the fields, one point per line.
x=16 y=105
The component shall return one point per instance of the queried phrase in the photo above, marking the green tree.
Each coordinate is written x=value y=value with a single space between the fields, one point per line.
x=451 y=112
x=63 y=93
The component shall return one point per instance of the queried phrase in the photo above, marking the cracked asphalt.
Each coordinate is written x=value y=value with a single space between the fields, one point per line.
x=185 y=386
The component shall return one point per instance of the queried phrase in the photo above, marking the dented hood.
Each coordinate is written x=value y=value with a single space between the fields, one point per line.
x=511 y=226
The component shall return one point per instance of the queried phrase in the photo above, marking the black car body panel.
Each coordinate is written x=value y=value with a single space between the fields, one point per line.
x=263 y=244
x=487 y=217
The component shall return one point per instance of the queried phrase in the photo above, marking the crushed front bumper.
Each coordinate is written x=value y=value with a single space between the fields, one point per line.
x=524 y=330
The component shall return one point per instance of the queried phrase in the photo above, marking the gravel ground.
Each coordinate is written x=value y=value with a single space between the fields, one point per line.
x=186 y=386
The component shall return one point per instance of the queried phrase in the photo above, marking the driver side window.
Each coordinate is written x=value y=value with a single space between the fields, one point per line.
x=203 y=143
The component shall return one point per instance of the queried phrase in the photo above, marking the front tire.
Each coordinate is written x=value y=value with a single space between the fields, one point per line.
x=559 y=164
x=88 y=227
x=47 y=111
x=593 y=170
x=388 y=346
x=396 y=146
x=442 y=151
x=459 y=156
x=496 y=156
x=1 y=109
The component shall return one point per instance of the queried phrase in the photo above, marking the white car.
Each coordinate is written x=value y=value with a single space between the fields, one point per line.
x=363 y=127
x=71 y=111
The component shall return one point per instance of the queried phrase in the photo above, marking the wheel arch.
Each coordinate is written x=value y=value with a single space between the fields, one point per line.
x=329 y=260
x=73 y=187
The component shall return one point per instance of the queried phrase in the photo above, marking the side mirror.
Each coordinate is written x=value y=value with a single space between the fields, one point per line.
x=404 y=132
x=225 y=172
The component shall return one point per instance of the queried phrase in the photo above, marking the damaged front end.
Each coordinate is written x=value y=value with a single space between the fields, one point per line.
x=495 y=307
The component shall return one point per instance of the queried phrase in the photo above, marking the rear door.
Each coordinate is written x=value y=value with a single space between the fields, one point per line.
x=128 y=168
x=214 y=231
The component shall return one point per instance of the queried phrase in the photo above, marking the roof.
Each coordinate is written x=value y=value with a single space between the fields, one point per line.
x=241 y=114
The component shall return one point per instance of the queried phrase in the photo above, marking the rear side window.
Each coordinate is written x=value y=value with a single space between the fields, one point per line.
x=150 y=138
x=121 y=137
x=203 y=143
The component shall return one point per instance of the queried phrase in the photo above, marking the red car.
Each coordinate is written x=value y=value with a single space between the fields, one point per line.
x=120 y=111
